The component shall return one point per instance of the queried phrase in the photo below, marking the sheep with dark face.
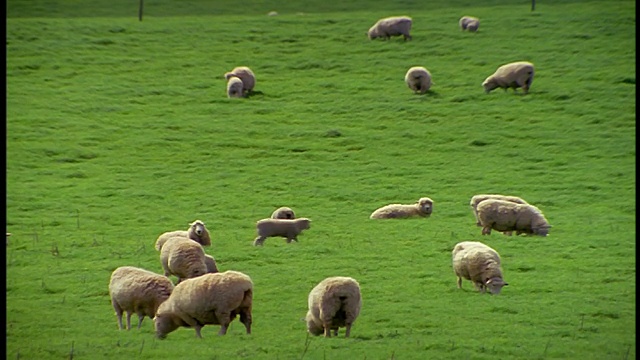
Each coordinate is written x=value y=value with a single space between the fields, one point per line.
x=422 y=208
x=197 y=232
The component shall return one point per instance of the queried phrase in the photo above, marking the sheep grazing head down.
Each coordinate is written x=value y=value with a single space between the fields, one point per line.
x=426 y=205
x=495 y=285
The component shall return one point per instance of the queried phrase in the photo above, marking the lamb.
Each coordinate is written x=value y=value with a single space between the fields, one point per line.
x=479 y=263
x=211 y=299
x=423 y=208
x=513 y=75
x=246 y=75
x=476 y=199
x=335 y=302
x=197 y=232
x=391 y=26
x=503 y=216
x=469 y=23
x=182 y=257
x=283 y=213
x=139 y=291
x=234 y=87
x=210 y=262
x=288 y=228
x=418 y=79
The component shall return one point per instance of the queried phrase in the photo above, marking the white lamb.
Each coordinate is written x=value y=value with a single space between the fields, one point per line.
x=234 y=87
x=287 y=228
x=197 y=232
x=513 y=75
x=283 y=213
x=391 y=26
x=211 y=299
x=479 y=263
x=476 y=199
x=418 y=79
x=422 y=208
x=139 y=291
x=246 y=75
x=335 y=302
x=182 y=257
x=504 y=216
x=469 y=23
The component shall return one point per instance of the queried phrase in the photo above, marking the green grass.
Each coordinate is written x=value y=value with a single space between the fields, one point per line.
x=119 y=130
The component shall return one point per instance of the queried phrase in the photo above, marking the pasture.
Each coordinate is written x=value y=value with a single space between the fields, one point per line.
x=118 y=130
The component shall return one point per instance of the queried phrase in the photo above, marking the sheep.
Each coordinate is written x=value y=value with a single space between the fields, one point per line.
x=423 y=208
x=479 y=263
x=512 y=75
x=272 y=13
x=235 y=87
x=197 y=232
x=211 y=299
x=210 y=262
x=288 y=228
x=182 y=257
x=418 y=79
x=283 y=213
x=335 y=302
x=246 y=75
x=476 y=199
x=139 y=291
x=391 y=26
x=469 y=23
x=503 y=216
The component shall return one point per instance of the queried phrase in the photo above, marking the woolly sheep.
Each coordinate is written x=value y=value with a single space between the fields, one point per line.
x=288 y=228
x=469 y=23
x=391 y=26
x=246 y=75
x=182 y=257
x=235 y=87
x=423 y=208
x=139 y=291
x=418 y=79
x=476 y=199
x=283 y=213
x=512 y=75
x=335 y=302
x=210 y=262
x=503 y=216
x=211 y=299
x=197 y=232
x=479 y=263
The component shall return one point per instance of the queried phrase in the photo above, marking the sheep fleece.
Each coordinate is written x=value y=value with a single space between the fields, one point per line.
x=423 y=208
x=183 y=258
x=476 y=199
x=335 y=302
x=234 y=88
x=503 y=216
x=246 y=75
x=418 y=79
x=283 y=213
x=513 y=75
x=289 y=229
x=477 y=262
x=391 y=26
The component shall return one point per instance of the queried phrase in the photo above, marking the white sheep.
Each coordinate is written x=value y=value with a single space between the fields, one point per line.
x=335 y=302
x=210 y=262
x=211 y=299
x=504 y=216
x=139 y=291
x=197 y=232
x=423 y=208
x=513 y=75
x=272 y=13
x=479 y=263
x=183 y=257
x=246 y=75
x=391 y=26
x=418 y=79
x=235 y=87
x=283 y=213
x=287 y=228
x=469 y=23
x=476 y=199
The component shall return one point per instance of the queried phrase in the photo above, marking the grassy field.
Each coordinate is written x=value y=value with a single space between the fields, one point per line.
x=119 y=130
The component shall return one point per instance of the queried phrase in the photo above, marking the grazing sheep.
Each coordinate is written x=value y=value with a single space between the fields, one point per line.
x=391 y=26
x=182 y=257
x=469 y=23
x=272 y=13
x=423 y=208
x=288 y=228
x=235 y=88
x=246 y=75
x=197 y=232
x=211 y=299
x=139 y=291
x=335 y=302
x=210 y=262
x=503 y=216
x=513 y=75
x=418 y=79
x=283 y=213
x=476 y=199
x=479 y=263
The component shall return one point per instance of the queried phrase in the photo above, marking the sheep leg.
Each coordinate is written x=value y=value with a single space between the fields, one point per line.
x=128 y=320
x=259 y=240
x=327 y=329
x=486 y=230
x=459 y=282
x=140 y=318
x=290 y=239
x=198 y=327
x=118 y=310
x=245 y=318
x=225 y=320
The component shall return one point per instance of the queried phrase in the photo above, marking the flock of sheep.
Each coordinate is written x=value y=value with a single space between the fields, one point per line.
x=241 y=80
x=203 y=295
